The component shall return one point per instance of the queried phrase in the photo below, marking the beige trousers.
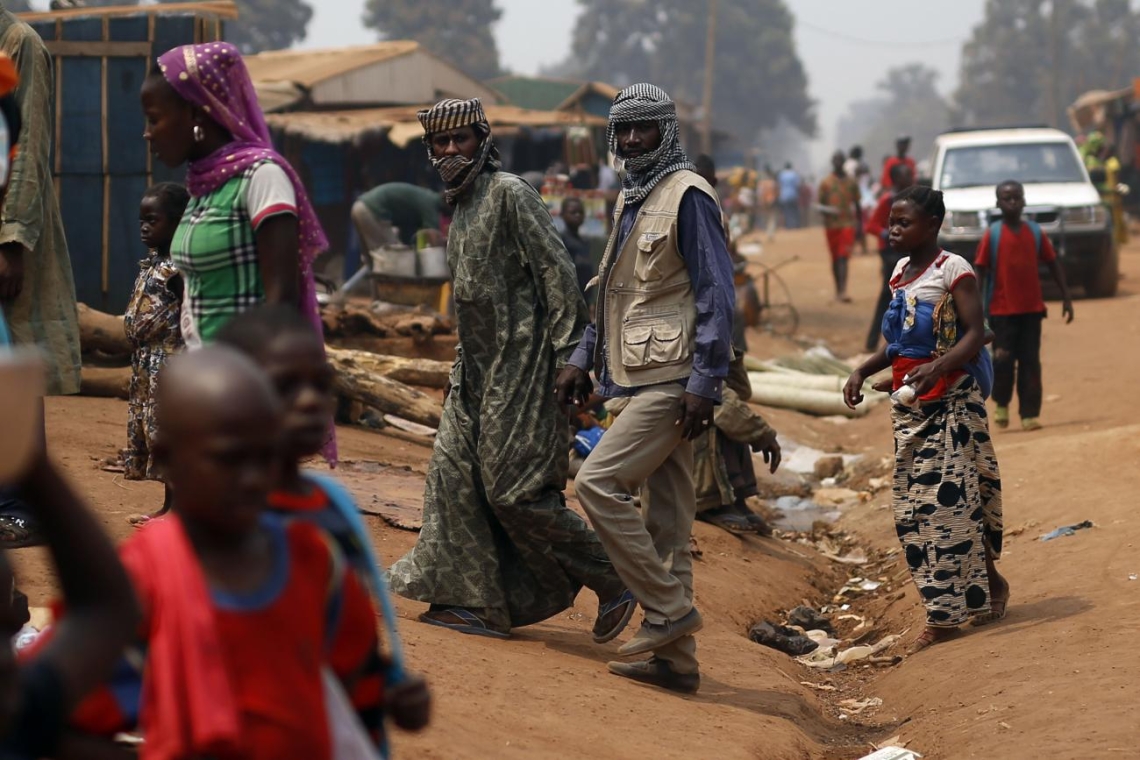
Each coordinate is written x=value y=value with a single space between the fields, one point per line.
x=647 y=538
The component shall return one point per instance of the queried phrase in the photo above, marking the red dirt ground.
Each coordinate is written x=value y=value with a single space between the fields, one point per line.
x=1056 y=679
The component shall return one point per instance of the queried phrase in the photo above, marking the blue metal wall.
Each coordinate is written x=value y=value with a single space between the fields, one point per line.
x=101 y=162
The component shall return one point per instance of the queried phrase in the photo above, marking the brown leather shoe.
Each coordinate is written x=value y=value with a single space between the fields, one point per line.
x=657 y=672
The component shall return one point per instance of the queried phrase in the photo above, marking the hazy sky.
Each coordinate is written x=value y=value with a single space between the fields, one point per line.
x=846 y=45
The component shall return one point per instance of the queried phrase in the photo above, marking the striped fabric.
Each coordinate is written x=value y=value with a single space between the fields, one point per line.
x=647 y=102
x=457 y=171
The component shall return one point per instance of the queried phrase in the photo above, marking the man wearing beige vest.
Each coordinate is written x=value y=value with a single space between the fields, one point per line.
x=663 y=340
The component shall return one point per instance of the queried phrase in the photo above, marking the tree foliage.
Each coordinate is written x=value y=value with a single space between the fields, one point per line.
x=759 y=80
x=909 y=103
x=459 y=31
x=1028 y=60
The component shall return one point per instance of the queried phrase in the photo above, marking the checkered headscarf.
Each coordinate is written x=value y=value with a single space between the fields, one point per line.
x=647 y=102
x=458 y=172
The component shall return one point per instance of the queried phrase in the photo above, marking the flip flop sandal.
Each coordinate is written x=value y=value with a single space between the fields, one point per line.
x=466 y=622
x=734 y=524
x=995 y=614
x=928 y=638
x=630 y=604
x=759 y=525
x=19 y=533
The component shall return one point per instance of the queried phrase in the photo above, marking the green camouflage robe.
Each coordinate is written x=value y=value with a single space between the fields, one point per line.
x=497 y=533
x=44 y=314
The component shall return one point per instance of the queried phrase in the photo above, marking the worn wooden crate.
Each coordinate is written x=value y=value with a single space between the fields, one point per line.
x=102 y=164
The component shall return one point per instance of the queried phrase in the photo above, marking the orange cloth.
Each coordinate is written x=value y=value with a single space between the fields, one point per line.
x=9 y=78
x=192 y=708
x=840 y=241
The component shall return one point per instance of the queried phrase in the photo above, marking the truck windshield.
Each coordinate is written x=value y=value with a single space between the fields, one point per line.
x=987 y=165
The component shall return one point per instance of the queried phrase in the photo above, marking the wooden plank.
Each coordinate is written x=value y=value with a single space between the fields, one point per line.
x=99 y=49
x=81 y=200
x=220 y=8
x=123 y=236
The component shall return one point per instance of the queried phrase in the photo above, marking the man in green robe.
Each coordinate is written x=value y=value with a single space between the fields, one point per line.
x=499 y=547
x=37 y=293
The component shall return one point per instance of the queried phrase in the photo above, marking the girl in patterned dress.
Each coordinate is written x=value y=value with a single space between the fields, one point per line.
x=947 y=490
x=152 y=323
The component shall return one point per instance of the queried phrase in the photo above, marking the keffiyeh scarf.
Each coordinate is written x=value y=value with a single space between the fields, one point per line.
x=647 y=102
x=457 y=171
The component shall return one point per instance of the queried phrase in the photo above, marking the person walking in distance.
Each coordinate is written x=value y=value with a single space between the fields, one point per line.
x=839 y=204
x=663 y=339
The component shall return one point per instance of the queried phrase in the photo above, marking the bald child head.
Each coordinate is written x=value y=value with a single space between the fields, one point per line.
x=218 y=427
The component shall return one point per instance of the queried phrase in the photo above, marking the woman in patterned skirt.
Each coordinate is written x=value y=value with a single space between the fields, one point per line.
x=249 y=235
x=947 y=491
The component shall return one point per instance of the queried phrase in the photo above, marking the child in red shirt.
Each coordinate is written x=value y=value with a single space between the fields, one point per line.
x=292 y=355
x=1015 y=304
x=250 y=622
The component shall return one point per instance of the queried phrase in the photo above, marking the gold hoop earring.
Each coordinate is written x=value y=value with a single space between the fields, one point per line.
x=199 y=134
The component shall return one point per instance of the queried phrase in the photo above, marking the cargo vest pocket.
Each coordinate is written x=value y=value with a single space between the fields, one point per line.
x=655 y=342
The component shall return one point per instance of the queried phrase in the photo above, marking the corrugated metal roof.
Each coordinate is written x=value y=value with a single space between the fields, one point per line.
x=536 y=92
x=222 y=8
x=402 y=126
x=310 y=67
x=548 y=94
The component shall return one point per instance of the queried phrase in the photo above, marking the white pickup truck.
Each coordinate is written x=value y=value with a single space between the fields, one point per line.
x=968 y=165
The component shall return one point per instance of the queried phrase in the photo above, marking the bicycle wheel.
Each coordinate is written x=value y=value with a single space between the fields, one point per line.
x=778 y=315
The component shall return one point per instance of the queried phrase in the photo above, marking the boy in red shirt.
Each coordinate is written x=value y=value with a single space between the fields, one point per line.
x=250 y=622
x=1013 y=299
x=839 y=204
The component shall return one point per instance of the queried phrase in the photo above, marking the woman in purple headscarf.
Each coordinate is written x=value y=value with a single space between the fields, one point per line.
x=249 y=235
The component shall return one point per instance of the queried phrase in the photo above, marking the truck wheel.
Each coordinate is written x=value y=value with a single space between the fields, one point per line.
x=1103 y=280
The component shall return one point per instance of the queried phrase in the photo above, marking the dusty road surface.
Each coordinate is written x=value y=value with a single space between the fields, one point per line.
x=1057 y=679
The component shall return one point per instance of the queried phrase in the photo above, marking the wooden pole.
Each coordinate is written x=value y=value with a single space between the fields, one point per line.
x=707 y=97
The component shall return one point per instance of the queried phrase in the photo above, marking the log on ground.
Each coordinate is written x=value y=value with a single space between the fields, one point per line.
x=386 y=395
x=105 y=382
x=102 y=332
x=410 y=371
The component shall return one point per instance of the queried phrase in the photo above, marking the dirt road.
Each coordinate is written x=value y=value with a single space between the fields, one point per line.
x=1056 y=679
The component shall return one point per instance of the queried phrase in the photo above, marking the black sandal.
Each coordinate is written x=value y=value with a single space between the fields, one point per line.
x=463 y=621
x=17 y=532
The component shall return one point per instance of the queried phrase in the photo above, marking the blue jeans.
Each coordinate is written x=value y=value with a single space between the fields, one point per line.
x=791 y=211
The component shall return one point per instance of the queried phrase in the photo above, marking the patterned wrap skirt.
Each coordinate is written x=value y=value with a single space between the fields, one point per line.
x=947 y=501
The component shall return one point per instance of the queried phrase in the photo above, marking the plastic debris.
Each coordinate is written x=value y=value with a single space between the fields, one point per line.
x=817 y=686
x=892 y=753
x=586 y=440
x=857 y=706
x=807 y=618
x=782 y=638
x=26 y=637
x=825 y=659
x=1067 y=530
